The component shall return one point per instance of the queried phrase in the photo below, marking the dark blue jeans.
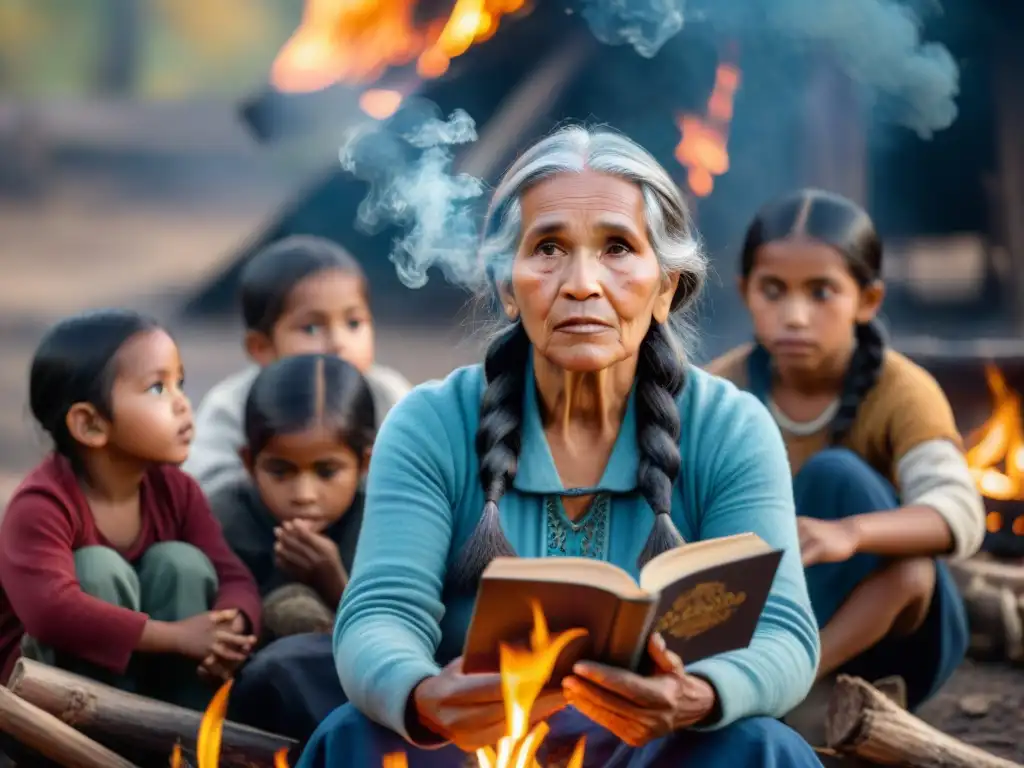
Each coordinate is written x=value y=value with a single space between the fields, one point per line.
x=349 y=738
x=835 y=484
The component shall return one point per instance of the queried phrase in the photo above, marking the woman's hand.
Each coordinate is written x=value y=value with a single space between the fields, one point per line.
x=468 y=710
x=826 y=541
x=640 y=709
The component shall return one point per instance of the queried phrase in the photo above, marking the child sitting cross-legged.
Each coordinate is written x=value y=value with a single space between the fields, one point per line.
x=309 y=429
x=111 y=564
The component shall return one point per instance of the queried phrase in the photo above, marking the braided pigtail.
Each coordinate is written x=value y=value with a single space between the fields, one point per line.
x=861 y=376
x=497 y=449
x=659 y=379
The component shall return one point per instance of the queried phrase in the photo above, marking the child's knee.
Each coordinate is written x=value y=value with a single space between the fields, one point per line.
x=837 y=483
x=104 y=574
x=179 y=563
x=912 y=577
x=295 y=609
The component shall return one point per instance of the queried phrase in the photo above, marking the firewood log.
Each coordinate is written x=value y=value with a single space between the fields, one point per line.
x=864 y=722
x=136 y=725
x=996 y=620
x=1010 y=575
x=41 y=731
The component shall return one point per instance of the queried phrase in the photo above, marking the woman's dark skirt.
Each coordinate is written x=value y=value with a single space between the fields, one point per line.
x=348 y=738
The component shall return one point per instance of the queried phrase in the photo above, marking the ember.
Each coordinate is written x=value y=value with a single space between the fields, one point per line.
x=356 y=41
x=703 y=148
x=995 y=451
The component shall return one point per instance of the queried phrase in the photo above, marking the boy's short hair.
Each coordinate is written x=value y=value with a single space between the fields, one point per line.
x=270 y=275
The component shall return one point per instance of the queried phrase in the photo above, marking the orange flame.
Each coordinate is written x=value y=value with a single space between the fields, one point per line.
x=703 y=147
x=523 y=675
x=211 y=728
x=357 y=40
x=995 y=451
x=524 y=671
x=176 y=756
x=380 y=104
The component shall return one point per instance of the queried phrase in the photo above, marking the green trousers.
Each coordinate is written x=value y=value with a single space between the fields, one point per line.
x=171 y=581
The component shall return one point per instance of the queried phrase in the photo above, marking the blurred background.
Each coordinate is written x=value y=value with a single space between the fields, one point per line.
x=148 y=147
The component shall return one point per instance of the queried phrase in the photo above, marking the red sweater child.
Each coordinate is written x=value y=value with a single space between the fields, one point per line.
x=48 y=519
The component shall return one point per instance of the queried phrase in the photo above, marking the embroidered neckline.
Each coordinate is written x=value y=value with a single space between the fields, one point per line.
x=586 y=537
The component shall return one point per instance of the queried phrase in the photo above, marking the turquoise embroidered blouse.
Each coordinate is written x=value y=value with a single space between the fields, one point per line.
x=398 y=625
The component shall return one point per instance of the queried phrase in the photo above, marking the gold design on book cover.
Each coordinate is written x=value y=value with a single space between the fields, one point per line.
x=702 y=608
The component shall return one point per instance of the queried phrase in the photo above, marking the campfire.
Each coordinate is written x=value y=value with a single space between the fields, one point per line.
x=703 y=148
x=995 y=452
x=524 y=672
x=357 y=41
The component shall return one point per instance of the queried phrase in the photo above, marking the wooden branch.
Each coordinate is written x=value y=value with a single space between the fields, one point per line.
x=136 y=724
x=1010 y=575
x=994 y=614
x=41 y=731
x=864 y=722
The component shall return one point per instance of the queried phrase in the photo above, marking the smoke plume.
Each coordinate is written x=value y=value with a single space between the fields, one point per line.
x=406 y=162
x=877 y=42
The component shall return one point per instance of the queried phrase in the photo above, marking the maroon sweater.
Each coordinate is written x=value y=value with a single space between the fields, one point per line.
x=48 y=518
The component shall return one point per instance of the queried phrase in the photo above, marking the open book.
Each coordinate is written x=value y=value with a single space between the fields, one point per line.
x=705 y=598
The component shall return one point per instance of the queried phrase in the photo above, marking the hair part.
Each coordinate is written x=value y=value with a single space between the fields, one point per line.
x=844 y=226
x=305 y=391
x=661 y=370
x=269 y=277
x=76 y=362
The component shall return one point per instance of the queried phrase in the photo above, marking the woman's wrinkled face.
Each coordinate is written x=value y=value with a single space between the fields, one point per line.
x=585 y=281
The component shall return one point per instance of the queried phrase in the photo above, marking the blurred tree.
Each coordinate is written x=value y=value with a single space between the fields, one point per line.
x=119 y=54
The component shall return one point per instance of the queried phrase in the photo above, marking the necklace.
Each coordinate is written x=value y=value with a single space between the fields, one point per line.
x=804 y=428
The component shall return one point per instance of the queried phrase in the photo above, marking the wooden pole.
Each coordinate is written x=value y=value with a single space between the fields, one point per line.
x=836 y=157
x=136 y=724
x=1009 y=107
x=866 y=723
x=524 y=107
x=41 y=731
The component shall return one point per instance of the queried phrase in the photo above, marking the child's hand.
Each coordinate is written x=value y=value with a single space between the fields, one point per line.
x=216 y=633
x=310 y=558
x=221 y=668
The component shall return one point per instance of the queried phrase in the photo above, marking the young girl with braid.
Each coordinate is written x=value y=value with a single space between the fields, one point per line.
x=882 y=488
x=584 y=433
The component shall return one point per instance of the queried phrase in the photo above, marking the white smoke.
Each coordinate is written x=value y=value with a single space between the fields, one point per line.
x=406 y=162
x=877 y=42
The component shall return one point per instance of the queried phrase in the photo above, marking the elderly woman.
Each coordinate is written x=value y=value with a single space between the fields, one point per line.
x=582 y=429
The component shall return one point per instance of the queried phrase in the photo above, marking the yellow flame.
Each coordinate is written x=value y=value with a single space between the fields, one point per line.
x=995 y=450
x=395 y=760
x=281 y=758
x=523 y=675
x=176 y=756
x=211 y=728
x=357 y=40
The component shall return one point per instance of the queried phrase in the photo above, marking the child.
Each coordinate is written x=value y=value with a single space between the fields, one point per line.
x=309 y=429
x=300 y=295
x=883 y=492
x=111 y=564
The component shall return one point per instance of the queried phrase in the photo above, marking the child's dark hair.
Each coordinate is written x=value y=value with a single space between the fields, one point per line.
x=76 y=363
x=846 y=227
x=303 y=391
x=269 y=276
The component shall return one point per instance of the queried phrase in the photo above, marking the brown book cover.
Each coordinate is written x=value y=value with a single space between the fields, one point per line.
x=705 y=598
